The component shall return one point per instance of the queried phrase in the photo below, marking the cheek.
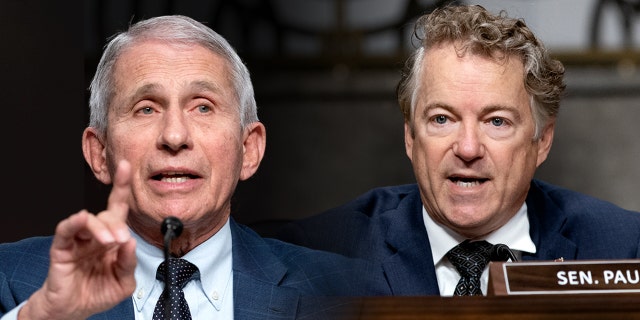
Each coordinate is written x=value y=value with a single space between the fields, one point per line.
x=119 y=144
x=523 y=158
x=224 y=148
x=128 y=146
x=433 y=148
x=428 y=155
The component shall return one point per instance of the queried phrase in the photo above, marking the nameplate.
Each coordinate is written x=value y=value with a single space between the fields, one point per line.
x=564 y=277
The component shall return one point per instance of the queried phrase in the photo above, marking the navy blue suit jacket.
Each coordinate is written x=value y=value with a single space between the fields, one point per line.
x=272 y=279
x=386 y=225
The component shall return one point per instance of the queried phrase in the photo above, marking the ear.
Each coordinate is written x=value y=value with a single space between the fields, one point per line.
x=95 y=154
x=408 y=140
x=255 y=139
x=545 y=141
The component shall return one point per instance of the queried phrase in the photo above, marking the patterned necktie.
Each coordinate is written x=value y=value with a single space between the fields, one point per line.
x=470 y=259
x=180 y=272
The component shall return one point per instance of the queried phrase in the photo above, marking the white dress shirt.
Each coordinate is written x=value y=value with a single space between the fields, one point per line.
x=514 y=234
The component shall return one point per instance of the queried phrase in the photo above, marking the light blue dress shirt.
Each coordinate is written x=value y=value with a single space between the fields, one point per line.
x=209 y=298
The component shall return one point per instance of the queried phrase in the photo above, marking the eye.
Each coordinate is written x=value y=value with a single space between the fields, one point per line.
x=146 y=110
x=498 y=122
x=440 y=119
x=204 y=109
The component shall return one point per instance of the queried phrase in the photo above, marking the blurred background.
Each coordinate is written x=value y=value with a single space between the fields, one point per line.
x=325 y=73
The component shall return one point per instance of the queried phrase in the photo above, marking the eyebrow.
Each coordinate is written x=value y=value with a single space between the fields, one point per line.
x=151 y=88
x=144 y=90
x=436 y=105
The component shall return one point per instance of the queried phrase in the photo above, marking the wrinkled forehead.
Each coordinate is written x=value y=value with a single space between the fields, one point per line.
x=174 y=63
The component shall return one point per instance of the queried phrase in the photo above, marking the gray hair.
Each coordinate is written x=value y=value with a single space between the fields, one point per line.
x=473 y=29
x=172 y=29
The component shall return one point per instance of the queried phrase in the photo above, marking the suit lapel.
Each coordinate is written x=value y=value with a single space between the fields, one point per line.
x=409 y=263
x=256 y=275
x=546 y=221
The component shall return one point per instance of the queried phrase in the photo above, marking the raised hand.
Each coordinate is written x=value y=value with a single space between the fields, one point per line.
x=92 y=261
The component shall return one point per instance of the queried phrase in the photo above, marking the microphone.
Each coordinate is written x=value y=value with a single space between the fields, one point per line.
x=501 y=252
x=171 y=228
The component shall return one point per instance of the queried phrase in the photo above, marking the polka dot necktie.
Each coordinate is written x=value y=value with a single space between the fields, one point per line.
x=470 y=259
x=180 y=272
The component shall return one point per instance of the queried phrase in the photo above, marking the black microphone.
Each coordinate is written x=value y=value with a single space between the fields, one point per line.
x=171 y=228
x=501 y=252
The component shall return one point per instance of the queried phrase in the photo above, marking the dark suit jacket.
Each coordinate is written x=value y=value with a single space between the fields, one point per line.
x=272 y=279
x=385 y=225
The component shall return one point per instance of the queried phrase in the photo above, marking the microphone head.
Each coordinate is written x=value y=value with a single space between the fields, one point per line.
x=500 y=252
x=171 y=223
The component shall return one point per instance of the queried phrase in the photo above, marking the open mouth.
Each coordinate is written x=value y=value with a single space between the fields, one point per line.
x=467 y=181
x=174 y=177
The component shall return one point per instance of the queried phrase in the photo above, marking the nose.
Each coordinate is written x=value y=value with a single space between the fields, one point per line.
x=174 y=135
x=468 y=143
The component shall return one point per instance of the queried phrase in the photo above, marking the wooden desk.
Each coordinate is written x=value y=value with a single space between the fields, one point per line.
x=524 y=307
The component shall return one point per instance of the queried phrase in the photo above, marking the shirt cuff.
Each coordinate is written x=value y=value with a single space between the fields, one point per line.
x=13 y=314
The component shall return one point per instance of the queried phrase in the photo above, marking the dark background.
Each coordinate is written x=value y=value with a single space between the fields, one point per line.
x=325 y=91
x=42 y=83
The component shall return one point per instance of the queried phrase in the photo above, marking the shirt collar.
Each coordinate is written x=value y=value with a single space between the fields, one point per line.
x=514 y=234
x=212 y=257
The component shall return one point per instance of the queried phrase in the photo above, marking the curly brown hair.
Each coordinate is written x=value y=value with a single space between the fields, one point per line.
x=475 y=30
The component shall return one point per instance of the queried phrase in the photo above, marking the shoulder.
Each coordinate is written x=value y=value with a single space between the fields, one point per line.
x=290 y=255
x=330 y=273
x=354 y=227
x=598 y=229
x=25 y=251
x=571 y=200
x=23 y=269
x=369 y=204
x=307 y=270
x=382 y=198
x=580 y=208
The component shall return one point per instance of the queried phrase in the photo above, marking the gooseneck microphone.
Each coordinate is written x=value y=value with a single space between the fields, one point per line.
x=501 y=252
x=171 y=228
